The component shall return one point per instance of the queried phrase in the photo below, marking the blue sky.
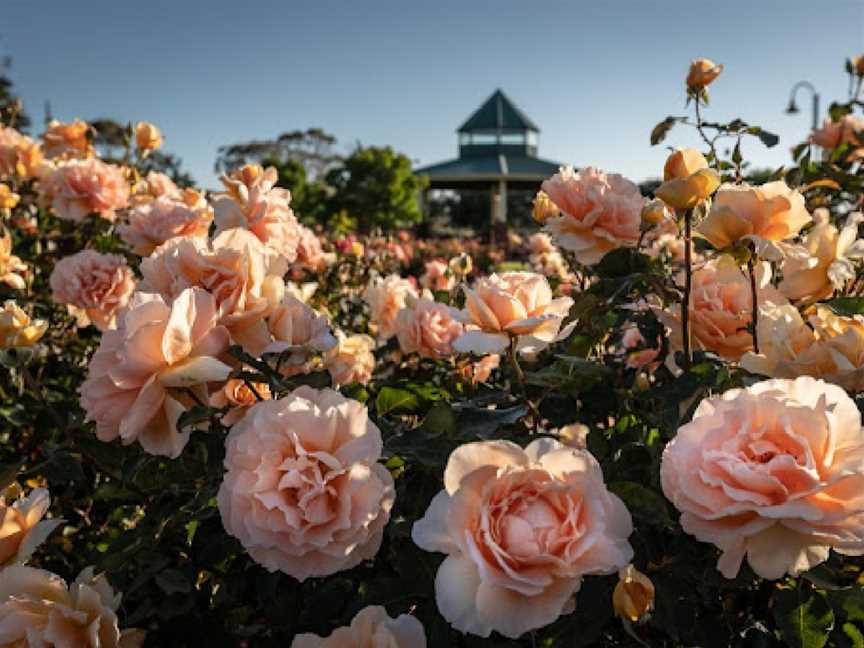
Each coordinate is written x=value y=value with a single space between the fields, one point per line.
x=595 y=76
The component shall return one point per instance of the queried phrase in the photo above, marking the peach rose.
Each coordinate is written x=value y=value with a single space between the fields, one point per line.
x=253 y=202
x=520 y=529
x=17 y=329
x=8 y=199
x=687 y=179
x=22 y=528
x=37 y=608
x=298 y=331
x=76 y=188
x=541 y=243
x=152 y=223
x=638 y=353
x=766 y=215
x=303 y=491
x=599 y=212
x=19 y=155
x=69 y=140
x=147 y=137
x=351 y=360
x=156 y=185
x=512 y=304
x=543 y=208
x=386 y=297
x=370 y=628
x=702 y=73
x=826 y=346
x=721 y=308
x=836 y=133
x=239 y=396
x=428 y=328
x=140 y=377
x=683 y=162
x=12 y=269
x=633 y=597
x=236 y=268
x=93 y=286
x=773 y=472
x=310 y=253
x=828 y=265
x=437 y=276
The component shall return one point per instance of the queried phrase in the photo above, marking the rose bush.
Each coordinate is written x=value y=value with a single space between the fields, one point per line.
x=635 y=423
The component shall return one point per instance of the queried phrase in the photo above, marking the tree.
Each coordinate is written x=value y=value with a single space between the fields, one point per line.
x=376 y=187
x=312 y=148
x=11 y=110
x=308 y=196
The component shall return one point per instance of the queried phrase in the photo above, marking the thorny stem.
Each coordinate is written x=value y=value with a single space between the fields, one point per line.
x=755 y=307
x=520 y=377
x=688 y=277
x=699 y=127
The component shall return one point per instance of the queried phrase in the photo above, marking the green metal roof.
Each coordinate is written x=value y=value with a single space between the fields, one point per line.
x=498 y=115
x=492 y=167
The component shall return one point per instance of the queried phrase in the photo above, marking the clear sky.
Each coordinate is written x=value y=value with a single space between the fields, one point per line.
x=594 y=75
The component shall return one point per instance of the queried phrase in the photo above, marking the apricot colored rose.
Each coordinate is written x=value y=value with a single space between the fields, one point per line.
x=22 y=527
x=428 y=328
x=386 y=297
x=147 y=137
x=76 y=188
x=303 y=490
x=12 y=268
x=93 y=286
x=773 y=473
x=140 y=378
x=599 y=212
x=19 y=155
x=520 y=529
x=370 y=628
x=152 y=223
x=702 y=73
x=69 y=140
x=351 y=360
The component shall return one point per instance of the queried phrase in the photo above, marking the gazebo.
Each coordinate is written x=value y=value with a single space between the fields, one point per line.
x=498 y=152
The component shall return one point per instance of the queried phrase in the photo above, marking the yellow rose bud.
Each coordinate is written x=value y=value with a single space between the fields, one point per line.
x=858 y=65
x=683 y=162
x=686 y=193
x=654 y=212
x=8 y=198
x=17 y=329
x=702 y=73
x=544 y=208
x=147 y=137
x=461 y=265
x=633 y=597
x=357 y=249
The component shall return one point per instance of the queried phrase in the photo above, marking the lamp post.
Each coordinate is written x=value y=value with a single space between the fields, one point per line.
x=793 y=107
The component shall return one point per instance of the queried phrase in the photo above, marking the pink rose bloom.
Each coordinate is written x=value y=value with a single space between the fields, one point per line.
x=37 y=608
x=22 y=528
x=253 y=202
x=303 y=490
x=93 y=286
x=599 y=212
x=76 y=188
x=386 y=297
x=236 y=268
x=137 y=384
x=156 y=185
x=152 y=223
x=721 y=307
x=437 y=276
x=310 y=253
x=298 y=331
x=482 y=370
x=351 y=360
x=835 y=133
x=541 y=243
x=638 y=354
x=520 y=529
x=428 y=328
x=773 y=473
x=512 y=304
x=370 y=628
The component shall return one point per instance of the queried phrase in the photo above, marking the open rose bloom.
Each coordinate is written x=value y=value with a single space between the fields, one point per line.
x=37 y=608
x=599 y=212
x=386 y=296
x=19 y=155
x=352 y=359
x=76 y=188
x=22 y=527
x=520 y=529
x=773 y=473
x=370 y=628
x=151 y=223
x=826 y=346
x=516 y=305
x=428 y=328
x=93 y=286
x=12 y=269
x=303 y=491
x=138 y=379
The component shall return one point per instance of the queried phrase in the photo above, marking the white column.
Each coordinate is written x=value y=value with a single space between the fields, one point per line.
x=501 y=216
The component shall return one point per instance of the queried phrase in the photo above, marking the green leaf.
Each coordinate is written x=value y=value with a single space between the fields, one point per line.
x=173 y=581
x=481 y=423
x=643 y=503
x=847 y=305
x=661 y=130
x=768 y=139
x=198 y=414
x=391 y=400
x=8 y=474
x=803 y=616
x=853 y=634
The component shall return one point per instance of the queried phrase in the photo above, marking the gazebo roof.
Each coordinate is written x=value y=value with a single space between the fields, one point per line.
x=490 y=168
x=498 y=115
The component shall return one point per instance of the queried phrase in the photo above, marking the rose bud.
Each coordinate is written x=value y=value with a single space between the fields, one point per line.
x=147 y=137
x=544 y=208
x=702 y=73
x=683 y=162
x=633 y=598
x=686 y=193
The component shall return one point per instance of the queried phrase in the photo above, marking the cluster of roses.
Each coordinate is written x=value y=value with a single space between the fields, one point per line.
x=773 y=473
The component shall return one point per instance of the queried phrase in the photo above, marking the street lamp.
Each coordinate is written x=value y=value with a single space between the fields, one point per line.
x=793 y=107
